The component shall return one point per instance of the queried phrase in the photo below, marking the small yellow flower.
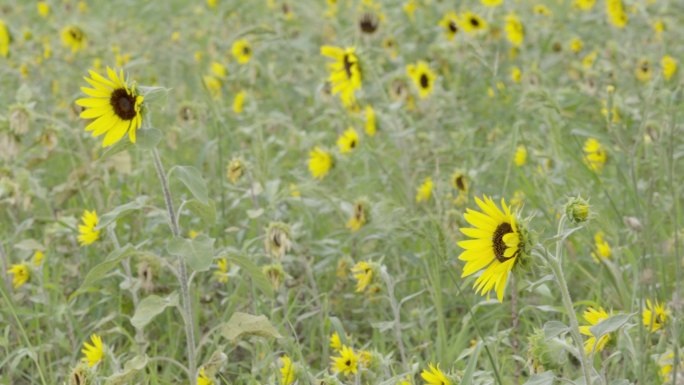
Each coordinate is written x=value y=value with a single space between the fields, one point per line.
x=617 y=15
x=344 y=73
x=459 y=181
x=491 y=3
x=213 y=85
x=242 y=51
x=348 y=141
x=219 y=70
x=320 y=162
x=515 y=32
x=601 y=248
x=93 y=353
x=659 y=28
x=614 y=112
x=363 y=273
x=74 y=38
x=541 y=9
x=655 y=315
x=212 y=3
x=593 y=317
x=175 y=36
x=202 y=378
x=450 y=24
x=424 y=191
x=472 y=23
x=20 y=274
x=221 y=274
x=423 y=78
x=585 y=5
x=410 y=8
x=87 y=233
x=643 y=71
x=589 y=59
x=594 y=154
x=434 y=376
x=371 y=126
x=43 y=8
x=520 y=157
x=5 y=39
x=516 y=74
x=38 y=258
x=287 y=373
x=576 y=44
x=669 y=65
x=335 y=342
x=359 y=217
x=239 y=101
x=347 y=362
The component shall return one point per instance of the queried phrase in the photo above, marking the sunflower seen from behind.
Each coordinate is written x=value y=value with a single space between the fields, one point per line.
x=113 y=105
x=345 y=73
x=423 y=78
x=498 y=243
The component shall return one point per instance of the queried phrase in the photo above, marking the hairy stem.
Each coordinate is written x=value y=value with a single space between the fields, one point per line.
x=182 y=271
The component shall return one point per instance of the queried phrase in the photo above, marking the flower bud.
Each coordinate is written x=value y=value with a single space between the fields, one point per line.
x=577 y=210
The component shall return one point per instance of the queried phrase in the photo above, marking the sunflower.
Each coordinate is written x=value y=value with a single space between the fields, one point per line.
x=434 y=376
x=498 y=243
x=74 y=38
x=363 y=274
x=576 y=44
x=643 y=70
x=617 y=16
x=320 y=162
x=345 y=73
x=5 y=39
x=239 y=102
x=86 y=232
x=114 y=105
x=347 y=362
x=287 y=373
x=520 y=157
x=335 y=342
x=601 y=248
x=422 y=77
x=203 y=379
x=371 y=126
x=595 y=155
x=424 y=191
x=459 y=182
x=593 y=317
x=515 y=32
x=242 y=51
x=221 y=274
x=472 y=23
x=93 y=353
x=348 y=141
x=655 y=315
x=450 y=24
x=359 y=217
x=235 y=170
x=585 y=5
x=20 y=274
x=669 y=65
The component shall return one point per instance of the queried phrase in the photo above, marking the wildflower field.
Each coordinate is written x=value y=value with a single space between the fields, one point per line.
x=385 y=192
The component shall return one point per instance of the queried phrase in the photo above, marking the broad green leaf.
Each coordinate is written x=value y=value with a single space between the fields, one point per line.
x=610 y=324
x=148 y=138
x=28 y=244
x=206 y=212
x=546 y=378
x=192 y=179
x=553 y=329
x=151 y=307
x=98 y=272
x=470 y=367
x=258 y=277
x=119 y=211
x=198 y=252
x=131 y=367
x=243 y=324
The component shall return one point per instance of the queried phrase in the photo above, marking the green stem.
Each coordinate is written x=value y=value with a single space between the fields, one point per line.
x=557 y=268
x=182 y=271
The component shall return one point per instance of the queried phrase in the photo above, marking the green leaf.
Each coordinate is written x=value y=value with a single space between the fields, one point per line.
x=131 y=367
x=207 y=213
x=192 y=179
x=258 y=277
x=148 y=138
x=119 y=211
x=546 y=378
x=198 y=252
x=243 y=324
x=99 y=272
x=151 y=307
x=553 y=329
x=609 y=325
x=470 y=367
x=29 y=244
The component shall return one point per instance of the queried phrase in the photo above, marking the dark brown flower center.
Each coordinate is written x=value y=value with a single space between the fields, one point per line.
x=474 y=22
x=424 y=81
x=460 y=183
x=123 y=104
x=498 y=242
x=347 y=65
x=368 y=23
x=347 y=363
x=452 y=26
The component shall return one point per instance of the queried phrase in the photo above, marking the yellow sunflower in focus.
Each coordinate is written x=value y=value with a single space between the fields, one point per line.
x=498 y=243
x=114 y=106
x=347 y=363
x=242 y=51
x=423 y=78
x=345 y=73
x=472 y=23
x=593 y=317
x=434 y=376
x=320 y=162
x=74 y=38
x=86 y=232
x=348 y=141
x=20 y=274
x=450 y=24
x=93 y=353
x=655 y=316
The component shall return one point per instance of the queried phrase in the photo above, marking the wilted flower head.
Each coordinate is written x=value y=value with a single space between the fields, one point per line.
x=235 y=170
x=277 y=240
x=275 y=274
x=360 y=216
